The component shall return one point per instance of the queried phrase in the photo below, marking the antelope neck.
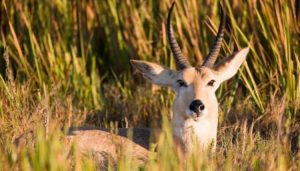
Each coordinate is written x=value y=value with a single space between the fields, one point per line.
x=204 y=130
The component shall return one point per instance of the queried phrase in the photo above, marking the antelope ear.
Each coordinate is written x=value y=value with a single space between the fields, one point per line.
x=230 y=65
x=157 y=74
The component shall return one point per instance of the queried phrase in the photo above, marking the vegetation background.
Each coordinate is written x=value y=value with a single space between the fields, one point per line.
x=66 y=63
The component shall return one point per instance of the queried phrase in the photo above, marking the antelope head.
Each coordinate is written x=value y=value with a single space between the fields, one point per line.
x=195 y=87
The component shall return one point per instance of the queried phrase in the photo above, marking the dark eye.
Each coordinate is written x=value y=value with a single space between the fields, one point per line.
x=211 y=83
x=181 y=83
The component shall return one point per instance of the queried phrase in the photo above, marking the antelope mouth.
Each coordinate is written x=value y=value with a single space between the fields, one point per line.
x=195 y=115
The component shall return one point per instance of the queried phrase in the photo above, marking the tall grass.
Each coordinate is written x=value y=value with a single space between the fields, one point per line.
x=66 y=63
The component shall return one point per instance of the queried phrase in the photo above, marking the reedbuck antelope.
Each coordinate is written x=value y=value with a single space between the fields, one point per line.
x=195 y=109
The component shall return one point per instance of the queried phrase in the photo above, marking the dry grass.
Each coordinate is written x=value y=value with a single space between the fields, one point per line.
x=66 y=63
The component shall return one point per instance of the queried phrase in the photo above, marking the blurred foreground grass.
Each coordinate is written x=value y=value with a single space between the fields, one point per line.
x=66 y=63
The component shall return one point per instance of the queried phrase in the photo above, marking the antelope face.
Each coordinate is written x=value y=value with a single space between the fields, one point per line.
x=196 y=92
x=194 y=86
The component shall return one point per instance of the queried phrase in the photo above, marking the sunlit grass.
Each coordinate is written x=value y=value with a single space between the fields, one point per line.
x=66 y=63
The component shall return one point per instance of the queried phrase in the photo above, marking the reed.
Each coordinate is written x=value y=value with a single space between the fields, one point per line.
x=68 y=62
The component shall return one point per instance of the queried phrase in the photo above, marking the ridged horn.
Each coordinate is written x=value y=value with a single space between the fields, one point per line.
x=180 y=60
x=216 y=46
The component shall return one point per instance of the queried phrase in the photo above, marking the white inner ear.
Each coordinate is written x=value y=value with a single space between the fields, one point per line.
x=155 y=73
x=229 y=67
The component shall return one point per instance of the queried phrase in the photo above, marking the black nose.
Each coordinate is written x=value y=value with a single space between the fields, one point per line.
x=197 y=106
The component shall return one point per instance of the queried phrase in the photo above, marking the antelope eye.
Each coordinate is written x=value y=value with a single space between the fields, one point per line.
x=211 y=83
x=181 y=83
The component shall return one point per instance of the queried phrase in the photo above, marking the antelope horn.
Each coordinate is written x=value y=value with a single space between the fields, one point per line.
x=180 y=60
x=216 y=46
